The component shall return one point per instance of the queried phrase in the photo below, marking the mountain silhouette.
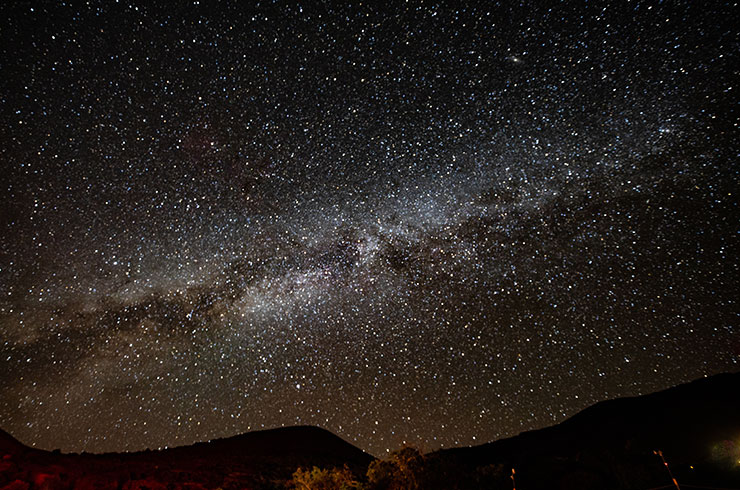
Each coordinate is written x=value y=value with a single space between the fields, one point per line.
x=261 y=459
x=615 y=444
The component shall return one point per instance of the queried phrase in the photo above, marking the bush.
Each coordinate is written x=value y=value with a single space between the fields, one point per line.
x=323 y=479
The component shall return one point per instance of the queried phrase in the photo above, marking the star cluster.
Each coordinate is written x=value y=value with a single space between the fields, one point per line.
x=416 y=224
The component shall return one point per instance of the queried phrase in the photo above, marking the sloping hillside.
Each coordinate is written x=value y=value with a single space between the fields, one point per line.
x=254 y=460
x=612 y=443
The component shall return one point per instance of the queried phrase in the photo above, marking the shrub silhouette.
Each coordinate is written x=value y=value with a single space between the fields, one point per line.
x=323 y=479
x=406 y=469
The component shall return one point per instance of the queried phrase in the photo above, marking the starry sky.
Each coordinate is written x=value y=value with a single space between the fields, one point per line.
x=414 y=224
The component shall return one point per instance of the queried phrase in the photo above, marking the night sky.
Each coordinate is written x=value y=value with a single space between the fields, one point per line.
x=417 y=223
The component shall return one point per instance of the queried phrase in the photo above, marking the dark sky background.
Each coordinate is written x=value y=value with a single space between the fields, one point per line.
x=418 y=223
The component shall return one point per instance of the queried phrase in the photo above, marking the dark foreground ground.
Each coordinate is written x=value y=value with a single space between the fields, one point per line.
x=611 y=445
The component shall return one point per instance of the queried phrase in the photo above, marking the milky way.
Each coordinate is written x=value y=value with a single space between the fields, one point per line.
x=414 y=224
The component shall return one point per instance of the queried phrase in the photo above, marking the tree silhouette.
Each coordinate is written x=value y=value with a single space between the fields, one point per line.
x=402 y=470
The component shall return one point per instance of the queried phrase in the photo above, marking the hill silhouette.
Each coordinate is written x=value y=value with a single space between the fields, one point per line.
x=261 y=459
x=610 y=445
